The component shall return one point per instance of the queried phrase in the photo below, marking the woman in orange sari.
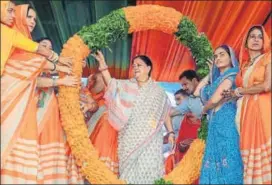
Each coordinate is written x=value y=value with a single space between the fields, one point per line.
x=12 y=38
x=102 y=135
x=24 y=159
x=254 y=105
x=55 y=158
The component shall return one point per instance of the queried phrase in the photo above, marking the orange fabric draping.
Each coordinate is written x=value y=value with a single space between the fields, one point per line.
x=224 y=22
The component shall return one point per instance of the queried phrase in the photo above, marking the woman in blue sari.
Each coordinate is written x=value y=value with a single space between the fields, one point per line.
x=222 y=162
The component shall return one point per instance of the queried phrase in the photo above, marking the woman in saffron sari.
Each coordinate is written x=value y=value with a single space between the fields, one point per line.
x=12 y=38
x=102 y=135
x=51 y=136
x=254 y=105
x=137 y=109
x=222 y=162
x=24 y=159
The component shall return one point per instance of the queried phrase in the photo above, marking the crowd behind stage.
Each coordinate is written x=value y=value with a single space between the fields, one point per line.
x=137 y=133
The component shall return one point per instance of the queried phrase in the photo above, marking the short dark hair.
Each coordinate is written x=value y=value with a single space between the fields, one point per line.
x=182 y=92
x=189 y=74
x=43 y=38
x=146 y=60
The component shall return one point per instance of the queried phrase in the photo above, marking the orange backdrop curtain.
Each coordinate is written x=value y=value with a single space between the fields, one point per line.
x=268 y=24
x=224 y=22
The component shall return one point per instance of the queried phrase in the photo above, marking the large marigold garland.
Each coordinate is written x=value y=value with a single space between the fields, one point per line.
x=188 y=169
x=115 y=26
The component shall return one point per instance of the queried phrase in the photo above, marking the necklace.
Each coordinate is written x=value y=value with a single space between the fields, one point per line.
x=254 y=58
x=250 y=63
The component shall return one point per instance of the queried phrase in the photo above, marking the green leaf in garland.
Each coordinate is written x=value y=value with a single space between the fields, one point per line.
x=199 y=44
x=162 y=181
x=187 y=31
x=202 y=71
x=201 y=48
x=107 y=30
x=203 y=131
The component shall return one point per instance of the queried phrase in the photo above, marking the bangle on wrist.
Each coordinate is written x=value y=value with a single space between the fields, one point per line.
x=54 y=57
x=57 y=59
x=172 y=132
x=55 y=66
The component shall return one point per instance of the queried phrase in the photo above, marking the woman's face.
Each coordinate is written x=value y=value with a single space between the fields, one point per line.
x=255 y=40
x=9 y=17
x=96 y=83
x=140 y=69
x=222 y=58
x=31 y=20
x=47 y=44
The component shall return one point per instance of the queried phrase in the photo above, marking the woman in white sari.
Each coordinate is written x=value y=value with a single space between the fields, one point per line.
x=137 y=108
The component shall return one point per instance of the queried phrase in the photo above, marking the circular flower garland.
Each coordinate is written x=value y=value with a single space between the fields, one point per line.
x=108 y=29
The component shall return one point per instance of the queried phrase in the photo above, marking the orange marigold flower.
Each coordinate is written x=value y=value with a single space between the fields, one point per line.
x=155 y=17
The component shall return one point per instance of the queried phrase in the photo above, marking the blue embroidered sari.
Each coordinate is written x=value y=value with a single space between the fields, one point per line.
x=222 y=162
